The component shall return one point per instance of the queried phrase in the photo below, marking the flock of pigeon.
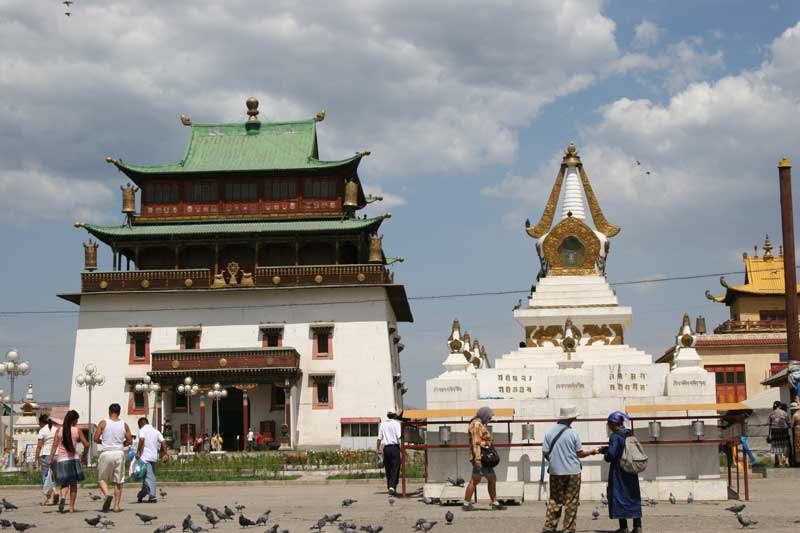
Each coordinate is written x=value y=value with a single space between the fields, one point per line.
x=67 y=4
x=5 y=523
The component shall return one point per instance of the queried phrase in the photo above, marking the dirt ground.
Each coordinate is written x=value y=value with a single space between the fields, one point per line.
x=298 y=507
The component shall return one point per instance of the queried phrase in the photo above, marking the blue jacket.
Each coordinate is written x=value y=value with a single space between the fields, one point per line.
x=624 y=498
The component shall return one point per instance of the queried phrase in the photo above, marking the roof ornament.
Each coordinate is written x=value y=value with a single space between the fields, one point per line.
x=252 y=108
x=319 y=117
x=375 y=248
x=129 y=201
x=767 y=248
x=185 y=120
x=90 y=255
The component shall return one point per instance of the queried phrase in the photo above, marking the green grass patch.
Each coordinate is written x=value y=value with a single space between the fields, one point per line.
x=357 y=475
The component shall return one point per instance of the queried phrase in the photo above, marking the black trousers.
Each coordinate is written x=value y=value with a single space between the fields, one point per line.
x=391 y=463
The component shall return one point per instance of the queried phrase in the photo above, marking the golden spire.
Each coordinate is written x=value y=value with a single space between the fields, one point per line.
x=767 y=248
x=785 y=163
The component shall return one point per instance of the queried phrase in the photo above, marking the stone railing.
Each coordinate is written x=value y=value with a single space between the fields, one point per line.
x=751 y=326
x=203 y=278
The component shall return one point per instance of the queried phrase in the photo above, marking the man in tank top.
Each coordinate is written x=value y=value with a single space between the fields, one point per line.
x=114 y=436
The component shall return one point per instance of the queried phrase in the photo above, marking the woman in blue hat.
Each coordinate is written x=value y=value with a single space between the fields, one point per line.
x=624 y=497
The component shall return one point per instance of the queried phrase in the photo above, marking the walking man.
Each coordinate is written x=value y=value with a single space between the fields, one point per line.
x=562 y=448
x=114 y=436
x=389 y=444
x=250 y=440
x=150 y=448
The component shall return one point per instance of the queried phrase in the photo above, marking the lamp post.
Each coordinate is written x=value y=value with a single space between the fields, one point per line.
x=13 y=367
x=216 y=394
x=146 y=387
x=188 y=389
x=91 y=379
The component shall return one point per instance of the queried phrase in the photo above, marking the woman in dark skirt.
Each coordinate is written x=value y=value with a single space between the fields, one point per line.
x=68 y=463
x=624 y=498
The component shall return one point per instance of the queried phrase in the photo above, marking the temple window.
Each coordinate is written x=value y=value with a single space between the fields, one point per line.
x=571 y=252
x=359 y=430
x=137 y=401
x=178 y=402
x=271 y=336
x=241 y=192
x=197 y=257
x=348 y=253
x=278 y=399
x=317 y=253
x=202 y=193
x=770 y=314
x=279 y=254
x=319 y=189
x=280 y=190
x=162 y=193
x=190 y=338
x=139 y=343
x=322 y=392
x=322 y=342
x=156 y=258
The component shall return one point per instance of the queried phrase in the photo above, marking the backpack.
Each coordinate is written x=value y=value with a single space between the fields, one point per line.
x=633 y=460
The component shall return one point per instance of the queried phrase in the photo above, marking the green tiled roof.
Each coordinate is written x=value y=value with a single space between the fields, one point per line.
x=246 y=146
x=110 y=234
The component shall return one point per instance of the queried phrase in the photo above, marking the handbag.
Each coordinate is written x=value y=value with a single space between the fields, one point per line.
x=489 y=456
x=138 y=470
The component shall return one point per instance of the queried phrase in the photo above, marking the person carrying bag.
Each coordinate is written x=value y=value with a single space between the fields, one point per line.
x=483 y=456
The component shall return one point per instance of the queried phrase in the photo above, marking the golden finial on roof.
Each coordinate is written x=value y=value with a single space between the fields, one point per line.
x=785 y=163
x=571 y=157
x=320 y=116
x=185 y=120
x=252 y=108
x=767 y=248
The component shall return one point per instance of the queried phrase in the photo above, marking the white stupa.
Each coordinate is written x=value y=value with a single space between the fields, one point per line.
x=575 y=353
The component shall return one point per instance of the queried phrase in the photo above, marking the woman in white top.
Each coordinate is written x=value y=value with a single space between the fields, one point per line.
x=47 y=431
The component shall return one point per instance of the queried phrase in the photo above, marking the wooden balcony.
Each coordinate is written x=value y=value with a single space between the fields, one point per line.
x=751 y=326
x=203 y=278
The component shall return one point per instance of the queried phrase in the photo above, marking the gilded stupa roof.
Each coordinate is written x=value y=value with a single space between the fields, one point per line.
x=763 y=277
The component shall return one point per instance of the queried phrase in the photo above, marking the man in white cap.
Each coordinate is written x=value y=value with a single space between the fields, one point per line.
x=389 y=444
x=562 y=448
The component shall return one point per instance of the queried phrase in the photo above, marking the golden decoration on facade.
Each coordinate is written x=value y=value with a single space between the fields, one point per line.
x=350 y=194
x=539 y=335
x=549 y=209
x=375 y=248
x=90 y=255
x=318 y=279
x=185 y=120
x=188 y=282
x=176 y=364
x=145 y=283
x=252 y=108
x=129 y=199
x=223 y=362
x=103 y=284
x=233 y=276
x=276 y=280
x=600 y=222
x=319 y=117
x=361 y=277
x=572 y=227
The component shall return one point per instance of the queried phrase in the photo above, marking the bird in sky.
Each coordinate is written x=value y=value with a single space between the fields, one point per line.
x=67 y=2
x=67 y=13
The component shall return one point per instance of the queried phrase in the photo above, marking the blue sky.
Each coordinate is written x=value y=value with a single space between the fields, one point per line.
x=465 y=106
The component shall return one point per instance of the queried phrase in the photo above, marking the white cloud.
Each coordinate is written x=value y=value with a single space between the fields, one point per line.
x=646 y=34
x=712 y=140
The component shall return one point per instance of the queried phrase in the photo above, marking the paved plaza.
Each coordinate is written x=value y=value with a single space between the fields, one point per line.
x=296 y=507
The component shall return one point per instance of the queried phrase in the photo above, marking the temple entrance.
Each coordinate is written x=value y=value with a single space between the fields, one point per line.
x=231 y=416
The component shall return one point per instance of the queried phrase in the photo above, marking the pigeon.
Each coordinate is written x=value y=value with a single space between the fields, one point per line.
x=229 y=512
x=348 y=502
x=220 y=514
x=262 y=518
x=67 y=2
x=5 y=523
x=212 y=519
x=371 y=529
x=197 y=529
x=448 y=516
x=595 y=513
x=187 y=523
x=746 y=522
x=320 y=525
x=736 y=508
x=672 y=499
x=273 y=529
x=347 y=525
x=333 y=518
x=8 y=506
x=92 y=521
x=245 y=522
x=146 y=519
x=457 y=482
x=162 y=493
x=22 y=526
x=106 y=523
x=420 y=521
x=391 y=500
x=690 y=498
x=603 y=500
x=164 y=528
x=67 y=13
x=95 y=497
x=427 y=526
x=652 y=501
x=239 y=507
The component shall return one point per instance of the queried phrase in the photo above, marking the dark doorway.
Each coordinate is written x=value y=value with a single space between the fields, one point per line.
x=231 y=416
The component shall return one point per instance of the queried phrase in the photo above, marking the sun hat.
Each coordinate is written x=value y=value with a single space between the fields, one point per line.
x=568 y=412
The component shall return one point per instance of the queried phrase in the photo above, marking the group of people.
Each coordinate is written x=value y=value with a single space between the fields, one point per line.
x=563 y=451
x=61 y=464
x=784 y=432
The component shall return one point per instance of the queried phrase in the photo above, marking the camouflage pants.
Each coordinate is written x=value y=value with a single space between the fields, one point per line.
x=565 y=491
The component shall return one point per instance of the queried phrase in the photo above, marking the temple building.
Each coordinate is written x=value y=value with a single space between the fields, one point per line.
x=246 y=264
x=749 y=347
x=575 y=353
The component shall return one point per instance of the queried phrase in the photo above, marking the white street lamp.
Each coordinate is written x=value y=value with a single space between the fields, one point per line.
x=147 y=386
x=13 y=367
x=91 y=379
x=216 y=394
x=189 y=390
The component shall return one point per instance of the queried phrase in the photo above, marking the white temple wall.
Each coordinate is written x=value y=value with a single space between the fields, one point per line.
x=361 y=366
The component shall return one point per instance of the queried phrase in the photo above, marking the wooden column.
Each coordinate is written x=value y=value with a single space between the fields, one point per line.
x=136 y=258
x=177 y=258
x=245 y=419
x=789 y=265
x=336 y=251
x=296 y=252
x=202 y=417
x=128 y=259
x=286 y=442
x=258 y=246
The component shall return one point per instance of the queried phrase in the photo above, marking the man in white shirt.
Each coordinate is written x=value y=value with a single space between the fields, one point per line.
x=47 y=431
x=250 y=440
x=389 y=444
x=114 y=436
x=151 y=446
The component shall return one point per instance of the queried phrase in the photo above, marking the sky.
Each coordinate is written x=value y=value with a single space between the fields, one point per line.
x=466 y=108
